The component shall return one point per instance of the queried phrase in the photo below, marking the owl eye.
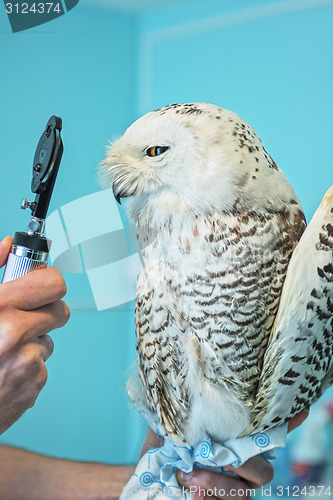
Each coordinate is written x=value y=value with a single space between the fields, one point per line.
x=157 y=150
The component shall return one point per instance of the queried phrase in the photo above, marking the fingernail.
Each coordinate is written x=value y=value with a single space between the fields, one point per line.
x=187 y=476
x=187 y=479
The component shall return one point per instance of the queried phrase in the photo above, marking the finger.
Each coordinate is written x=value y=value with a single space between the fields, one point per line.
x=257 y=471
x=24 y=326
x=152 y=440
x=30 y=365
x=5 y=246
x=297 y=420
x=47 y=345
x=34 y=354
x=34 y=290
x=45 y=319
x=202 y=482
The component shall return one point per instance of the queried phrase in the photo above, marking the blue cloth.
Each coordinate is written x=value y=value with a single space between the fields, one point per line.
x=155 y=475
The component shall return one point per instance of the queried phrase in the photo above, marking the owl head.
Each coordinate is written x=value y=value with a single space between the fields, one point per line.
x=194 y=159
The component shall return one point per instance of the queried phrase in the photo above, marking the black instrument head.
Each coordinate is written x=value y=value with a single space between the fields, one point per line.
x=45 y=156
x=45 y=167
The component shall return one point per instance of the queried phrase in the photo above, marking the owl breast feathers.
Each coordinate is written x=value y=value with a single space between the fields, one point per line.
x=226 y=343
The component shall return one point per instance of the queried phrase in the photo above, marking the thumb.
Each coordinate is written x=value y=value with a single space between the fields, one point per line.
x=5 y=245
x=297 y=420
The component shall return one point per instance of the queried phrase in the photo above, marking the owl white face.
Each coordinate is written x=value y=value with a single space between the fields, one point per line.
x=196 y=157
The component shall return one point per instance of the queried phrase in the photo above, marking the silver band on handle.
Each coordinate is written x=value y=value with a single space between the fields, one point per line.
x=21 y=261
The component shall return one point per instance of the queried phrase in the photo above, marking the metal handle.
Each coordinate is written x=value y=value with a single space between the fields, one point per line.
x=22 y=261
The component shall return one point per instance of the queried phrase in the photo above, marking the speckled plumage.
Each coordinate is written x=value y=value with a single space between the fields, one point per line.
x=298 y=365
x=219 y=222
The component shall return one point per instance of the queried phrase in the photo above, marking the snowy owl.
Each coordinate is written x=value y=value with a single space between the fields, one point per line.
x=218 y=222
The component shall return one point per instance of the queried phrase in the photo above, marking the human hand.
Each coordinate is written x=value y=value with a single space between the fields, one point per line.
x=205 y=484
x=208 y=485
x=30 y=307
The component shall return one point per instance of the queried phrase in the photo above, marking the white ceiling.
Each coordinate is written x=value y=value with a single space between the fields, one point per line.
x=130 y=5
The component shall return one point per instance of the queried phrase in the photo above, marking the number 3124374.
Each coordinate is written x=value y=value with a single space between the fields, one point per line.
x=35 y=8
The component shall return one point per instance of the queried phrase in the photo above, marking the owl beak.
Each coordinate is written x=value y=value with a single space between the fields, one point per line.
x=116 y=193
x=119 y=192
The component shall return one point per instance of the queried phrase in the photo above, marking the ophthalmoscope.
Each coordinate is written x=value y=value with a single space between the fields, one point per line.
x=30 y=249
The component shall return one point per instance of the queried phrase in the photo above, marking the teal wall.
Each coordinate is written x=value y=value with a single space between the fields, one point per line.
x=270 y=61
x=81 y=67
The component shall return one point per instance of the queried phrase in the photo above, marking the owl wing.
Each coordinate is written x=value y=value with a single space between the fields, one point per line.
x=298 y=364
